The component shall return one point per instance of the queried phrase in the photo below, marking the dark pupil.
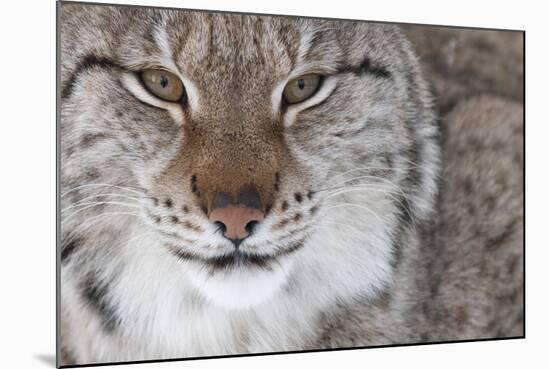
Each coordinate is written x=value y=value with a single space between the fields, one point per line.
x=301 y=84
x=163 y=81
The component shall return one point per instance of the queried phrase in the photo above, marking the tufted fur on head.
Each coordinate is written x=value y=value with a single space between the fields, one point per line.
x=347 y=179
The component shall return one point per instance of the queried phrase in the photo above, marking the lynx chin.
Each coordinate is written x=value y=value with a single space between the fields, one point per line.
x=241 y=184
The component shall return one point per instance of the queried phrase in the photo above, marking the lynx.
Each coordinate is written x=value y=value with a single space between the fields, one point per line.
x=235 y=184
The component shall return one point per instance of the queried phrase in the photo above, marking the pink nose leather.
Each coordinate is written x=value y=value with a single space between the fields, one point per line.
x=235 y=219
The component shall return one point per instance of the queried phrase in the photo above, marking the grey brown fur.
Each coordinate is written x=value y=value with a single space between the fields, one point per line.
x=469 y=283
x=422 y=243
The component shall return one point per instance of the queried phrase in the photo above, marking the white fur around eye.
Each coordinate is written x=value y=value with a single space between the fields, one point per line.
x=167 y=59
x=131 y=83
x=135 y=87
x=290 y=115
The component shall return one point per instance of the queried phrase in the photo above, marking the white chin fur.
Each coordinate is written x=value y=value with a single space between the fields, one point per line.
x=241 y=288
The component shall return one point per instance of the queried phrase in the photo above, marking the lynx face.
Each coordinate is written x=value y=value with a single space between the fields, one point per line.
x=259 y=153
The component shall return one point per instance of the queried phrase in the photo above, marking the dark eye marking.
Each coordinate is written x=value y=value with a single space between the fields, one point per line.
x=91 y=61
x=86 y=63
x=365 y=67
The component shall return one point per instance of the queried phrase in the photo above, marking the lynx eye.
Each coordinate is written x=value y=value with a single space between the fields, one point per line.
x=301 y=88
x=164 y=85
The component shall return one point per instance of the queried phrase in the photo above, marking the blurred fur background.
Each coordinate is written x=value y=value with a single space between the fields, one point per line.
x=477 y=79
x=465 y=63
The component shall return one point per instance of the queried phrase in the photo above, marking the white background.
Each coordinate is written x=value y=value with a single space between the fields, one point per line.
x=27 y=180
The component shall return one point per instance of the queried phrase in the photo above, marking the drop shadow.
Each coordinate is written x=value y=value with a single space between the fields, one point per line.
x=48 y=359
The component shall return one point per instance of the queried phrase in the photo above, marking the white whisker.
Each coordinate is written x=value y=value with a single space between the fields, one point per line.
x=361 y=188
x=393 y=185
x=125 y=188
x=94 y=203
x=357 y=206
x=329 y=223
x=373 y=168
x=139 y=199
x=393 y=195
x=112 y=213
x=342 y=183
x=82 y=228
x=135 y=238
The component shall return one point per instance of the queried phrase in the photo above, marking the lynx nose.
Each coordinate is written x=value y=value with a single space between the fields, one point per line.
x=237 y=218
